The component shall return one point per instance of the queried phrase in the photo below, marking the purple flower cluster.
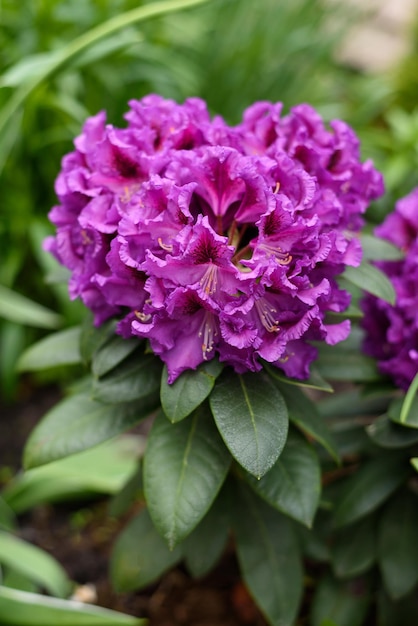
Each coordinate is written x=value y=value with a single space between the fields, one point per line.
x=209 y=239
x=392 y=331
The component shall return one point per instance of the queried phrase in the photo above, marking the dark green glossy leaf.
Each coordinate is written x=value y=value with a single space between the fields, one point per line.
x=140 y=555
x=368 y=488
x=342 y=603
x=293 y=484
x=137 y=377
x=372 y=280
x=111 y=353
x=304 y=414
x=388 y=434
x=61 y=348
x=204 y=546
x=185 y=465
x=398 y=546
x=20 y=608
x=189 y=390
x=92 y=337
x=34 y=563
x=78 y=423
x=269 y=558
x=354 y=549
x=251 y=416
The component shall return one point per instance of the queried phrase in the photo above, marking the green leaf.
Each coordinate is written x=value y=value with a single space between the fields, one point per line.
x=76 y=424
x=92 y=338
x=21 y=310
x=396 y=412
x=368 y=488
x=376 y=249
x=346 y=366
x=204 y=546
x=34 y=563
x=388 y=434
x=103 y=469
x=414 y=462
x=131 y=491
x=189 y=390
x=372 y=280
x=112 y=353
x=354 y=549
x=304 y=414
x=136 y=378
x=251 y=416
x=293 y=484
x=82 y=43
x=269 y=558
x=398 y=546
x=61 y=348
x=315 y=381
x=7 y=517
x=185 y=465
x=140 y=555
x=345 y=603
x=20 y=608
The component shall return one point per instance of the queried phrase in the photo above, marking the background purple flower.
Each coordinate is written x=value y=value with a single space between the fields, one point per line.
x=214 y=240
x=392 y=331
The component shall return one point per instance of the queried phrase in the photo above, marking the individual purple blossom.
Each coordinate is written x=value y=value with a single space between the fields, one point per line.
x=392 y=330
x=210 y=240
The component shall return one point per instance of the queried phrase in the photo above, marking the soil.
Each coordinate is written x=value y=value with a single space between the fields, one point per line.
x=80 y=537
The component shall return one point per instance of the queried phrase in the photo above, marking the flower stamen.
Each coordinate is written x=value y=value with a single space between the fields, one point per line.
x=208 y=333
x=209 y=280
x=267 y=315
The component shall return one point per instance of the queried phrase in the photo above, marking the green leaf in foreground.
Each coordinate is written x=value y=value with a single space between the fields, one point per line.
x=293 y=484
x=398 y=546
x=189 y=390
x=135 y=378
x=34 y=563
x=140 y=555
x=20 y=608
x=78 y=423
x=185 y=465
x=372 y=280
x=269 y=557
x=251 y=416
x=61 y=348
x=111 y=353
x=22 y=310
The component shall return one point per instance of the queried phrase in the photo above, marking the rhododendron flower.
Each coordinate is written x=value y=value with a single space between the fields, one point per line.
x=210 y=240
x=392 y=331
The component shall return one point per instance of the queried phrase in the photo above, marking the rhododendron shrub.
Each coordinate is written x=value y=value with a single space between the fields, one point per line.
x=210 y=240
x=216 y=261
